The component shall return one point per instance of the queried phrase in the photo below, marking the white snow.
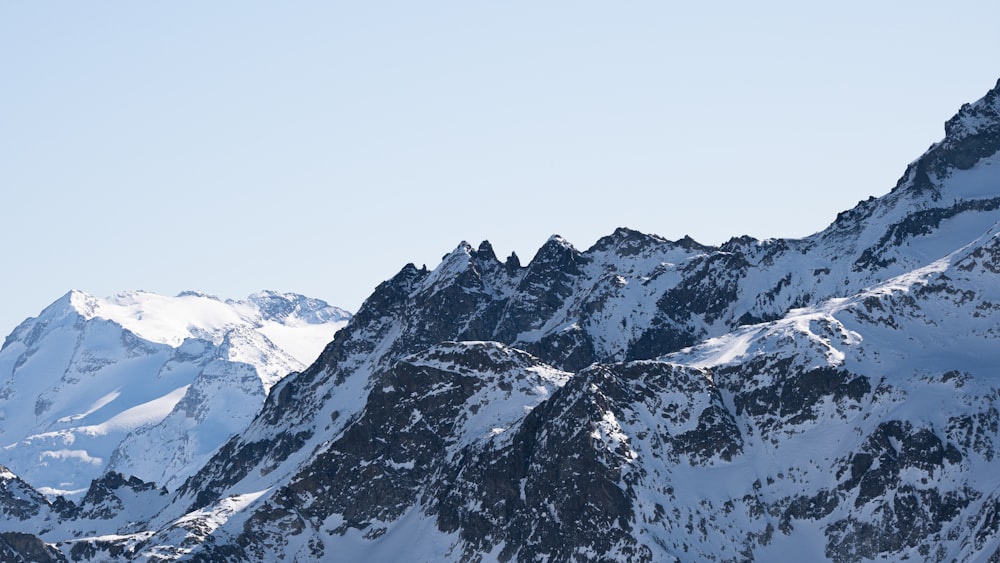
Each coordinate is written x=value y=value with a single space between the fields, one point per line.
x=134 y=417
x=302 y=341
x=94 y=407
x=807 y=543
x=75 y=455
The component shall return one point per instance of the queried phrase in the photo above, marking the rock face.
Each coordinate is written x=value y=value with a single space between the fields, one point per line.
x=26 y=548
x=21 y=506
x=829 y=398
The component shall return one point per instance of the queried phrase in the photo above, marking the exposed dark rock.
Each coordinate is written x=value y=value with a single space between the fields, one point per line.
x=789 y=397
x=893 y=447
x=18 y=500
x=26 y=548
x=550 y=489
x=916 y=224
x=708 y=290
x=104 y=498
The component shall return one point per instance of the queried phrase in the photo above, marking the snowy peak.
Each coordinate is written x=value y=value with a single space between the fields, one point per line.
x=485 y=252
x=628 y=242
x=292 y=307
x=974 y=133
x=955 y=177
x=171 y=320
x=20 y=503
x=453 y=266
x=61 y=311
x=83 y=380
x=556 y=252
x=459 y=264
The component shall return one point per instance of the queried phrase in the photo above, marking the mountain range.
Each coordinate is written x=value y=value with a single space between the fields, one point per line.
x=826 y=398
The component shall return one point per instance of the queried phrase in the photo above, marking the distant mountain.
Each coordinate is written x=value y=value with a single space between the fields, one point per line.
x=828 y=398
x=145 y=384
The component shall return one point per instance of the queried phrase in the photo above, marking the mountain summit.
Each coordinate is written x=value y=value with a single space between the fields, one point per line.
x=827 y=398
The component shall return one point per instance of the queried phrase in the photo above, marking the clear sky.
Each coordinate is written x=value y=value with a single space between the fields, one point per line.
x=318 y=146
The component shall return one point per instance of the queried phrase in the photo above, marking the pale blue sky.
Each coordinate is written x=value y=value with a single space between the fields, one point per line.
x=317 y=146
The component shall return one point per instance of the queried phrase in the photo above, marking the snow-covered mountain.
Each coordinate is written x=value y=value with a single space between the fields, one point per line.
x=145 y=384
x=827 y=398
